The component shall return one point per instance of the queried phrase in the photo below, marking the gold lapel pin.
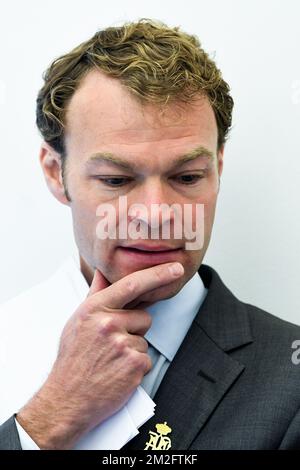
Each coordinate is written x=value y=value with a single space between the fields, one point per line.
x=159 y=440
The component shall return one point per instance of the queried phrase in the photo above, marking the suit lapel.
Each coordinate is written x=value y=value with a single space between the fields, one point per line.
x=201 y=372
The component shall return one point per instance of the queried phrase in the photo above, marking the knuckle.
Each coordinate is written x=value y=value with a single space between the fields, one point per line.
x=83 y=312
x=88 y=306
x=140 y=364
x=137 y=361
x=107 y=326
x=120 y=344
x=131 y=284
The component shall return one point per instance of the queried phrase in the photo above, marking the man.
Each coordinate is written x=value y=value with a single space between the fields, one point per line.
x=141 y=112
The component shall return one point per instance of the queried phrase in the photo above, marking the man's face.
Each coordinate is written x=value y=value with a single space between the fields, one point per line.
x=103 y=118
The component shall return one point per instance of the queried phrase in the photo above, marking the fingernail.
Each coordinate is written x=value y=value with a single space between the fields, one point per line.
x=176 y=269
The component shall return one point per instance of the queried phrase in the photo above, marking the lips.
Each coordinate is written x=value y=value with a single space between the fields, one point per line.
x=145 y=256
x=150 y=248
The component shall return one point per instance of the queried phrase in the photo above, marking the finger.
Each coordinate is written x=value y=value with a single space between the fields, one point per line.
x=136 y=322
x=99 y=283
x=139 y=343
x=148 y=363
x=137 y=304
x=135 y=284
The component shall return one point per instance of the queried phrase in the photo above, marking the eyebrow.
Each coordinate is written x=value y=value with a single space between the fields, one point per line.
x=108 y=157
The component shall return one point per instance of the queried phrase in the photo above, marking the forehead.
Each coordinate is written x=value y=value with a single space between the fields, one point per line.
x=102 y=115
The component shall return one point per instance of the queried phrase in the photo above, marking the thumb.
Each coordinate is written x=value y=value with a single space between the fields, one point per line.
x=99 y=282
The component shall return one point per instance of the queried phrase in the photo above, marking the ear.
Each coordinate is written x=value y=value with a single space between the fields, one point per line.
x=51 y=165
x=220 y=160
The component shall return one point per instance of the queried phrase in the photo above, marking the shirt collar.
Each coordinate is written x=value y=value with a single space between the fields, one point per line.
x=171 y=318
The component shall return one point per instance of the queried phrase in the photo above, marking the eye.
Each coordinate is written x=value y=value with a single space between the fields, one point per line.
x=188 y=178
x=114 y=181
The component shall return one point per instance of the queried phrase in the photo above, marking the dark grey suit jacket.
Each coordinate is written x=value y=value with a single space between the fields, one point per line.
x=231 y=385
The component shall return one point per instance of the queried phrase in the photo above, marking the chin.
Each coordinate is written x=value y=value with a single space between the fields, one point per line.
x=162 y=293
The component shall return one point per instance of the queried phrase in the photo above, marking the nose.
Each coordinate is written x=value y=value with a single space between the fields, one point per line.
x=151 y=203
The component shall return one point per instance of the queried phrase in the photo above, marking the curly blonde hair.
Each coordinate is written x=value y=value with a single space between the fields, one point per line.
x=156 y=63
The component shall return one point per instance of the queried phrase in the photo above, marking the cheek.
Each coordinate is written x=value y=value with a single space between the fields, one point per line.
x=84 y=216
x=209 y=215
x=208 y=202
x=84 y=221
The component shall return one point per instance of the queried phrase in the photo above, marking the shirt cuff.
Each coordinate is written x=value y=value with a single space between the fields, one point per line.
x=26 y=442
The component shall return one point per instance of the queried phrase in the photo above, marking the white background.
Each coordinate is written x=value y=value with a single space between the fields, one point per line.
x=255 y=242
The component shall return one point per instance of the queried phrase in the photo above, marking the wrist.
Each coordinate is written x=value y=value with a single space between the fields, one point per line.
x=49 y=422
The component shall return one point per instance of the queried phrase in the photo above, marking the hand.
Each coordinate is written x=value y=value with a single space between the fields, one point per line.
x=102 y=358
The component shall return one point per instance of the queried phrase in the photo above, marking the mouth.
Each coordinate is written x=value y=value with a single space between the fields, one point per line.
x=152 y=248
x=150 y=254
